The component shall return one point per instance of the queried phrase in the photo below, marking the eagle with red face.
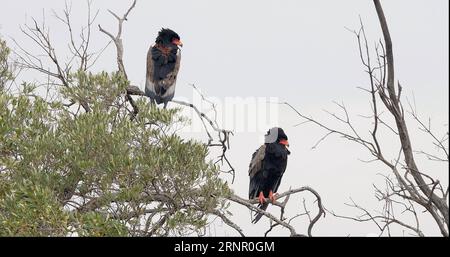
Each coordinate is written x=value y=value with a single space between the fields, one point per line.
x=163 y=64
x=267 y=168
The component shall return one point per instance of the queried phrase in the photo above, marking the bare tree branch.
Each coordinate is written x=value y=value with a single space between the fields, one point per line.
x=396 y=110
x=228 y=222
x=250 y=204
x=412 y=191
x=119 y=47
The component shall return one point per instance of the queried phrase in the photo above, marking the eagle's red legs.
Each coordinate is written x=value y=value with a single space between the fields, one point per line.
x=261 y=198
x=272 y=196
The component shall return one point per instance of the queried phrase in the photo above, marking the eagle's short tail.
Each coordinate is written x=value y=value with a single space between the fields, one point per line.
x=258 y=215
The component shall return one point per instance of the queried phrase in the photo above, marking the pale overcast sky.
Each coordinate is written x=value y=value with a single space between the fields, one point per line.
x=296 y=51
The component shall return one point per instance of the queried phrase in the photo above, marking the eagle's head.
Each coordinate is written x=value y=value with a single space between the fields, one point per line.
x=167 y=37
x=276 y=135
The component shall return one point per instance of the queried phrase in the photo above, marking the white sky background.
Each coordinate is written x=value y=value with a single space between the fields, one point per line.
x=298 y=51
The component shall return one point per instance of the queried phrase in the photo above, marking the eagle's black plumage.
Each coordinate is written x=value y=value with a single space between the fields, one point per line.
x=163 y=64
x=267 y=167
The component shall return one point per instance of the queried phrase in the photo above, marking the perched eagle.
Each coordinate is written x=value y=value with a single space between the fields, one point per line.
x=267 y=168
x=163 y=64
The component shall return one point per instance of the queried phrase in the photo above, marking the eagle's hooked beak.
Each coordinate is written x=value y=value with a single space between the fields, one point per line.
x=284 y=142
x=177 y=42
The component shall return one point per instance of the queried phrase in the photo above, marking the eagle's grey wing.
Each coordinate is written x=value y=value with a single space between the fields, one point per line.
x=257 y=178
x=150 y=78
x=257 y=161
x=254 y=171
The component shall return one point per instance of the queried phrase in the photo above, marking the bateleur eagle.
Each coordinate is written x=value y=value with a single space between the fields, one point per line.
x=267 y=168
x=163 y=64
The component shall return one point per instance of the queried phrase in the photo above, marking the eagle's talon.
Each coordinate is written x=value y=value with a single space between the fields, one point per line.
x=272 y=196
x=261 y=198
